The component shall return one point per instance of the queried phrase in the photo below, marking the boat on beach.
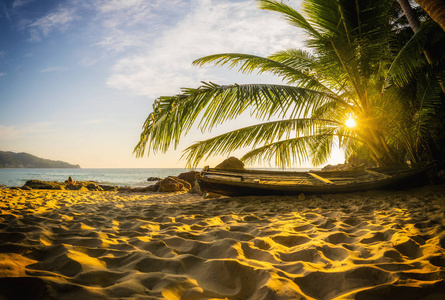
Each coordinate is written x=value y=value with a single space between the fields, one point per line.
x=258 y=182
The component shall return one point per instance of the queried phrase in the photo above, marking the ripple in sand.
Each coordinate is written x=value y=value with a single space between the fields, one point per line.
x=433 y=291
x=409 y=248
x=339 y=238
x=334 y=253
x=290 y=240
x=194 y=249
x=324 y=285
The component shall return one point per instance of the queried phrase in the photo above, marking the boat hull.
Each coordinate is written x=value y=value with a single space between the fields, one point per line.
x=407 y=178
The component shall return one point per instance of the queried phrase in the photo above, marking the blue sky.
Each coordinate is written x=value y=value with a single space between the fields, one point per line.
x=79 y=77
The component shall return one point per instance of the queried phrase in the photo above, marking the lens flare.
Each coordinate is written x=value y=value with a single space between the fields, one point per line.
x=351 y=123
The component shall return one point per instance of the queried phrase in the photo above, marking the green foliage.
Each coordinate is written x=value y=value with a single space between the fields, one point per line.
x=354 y=67
x=25 y=160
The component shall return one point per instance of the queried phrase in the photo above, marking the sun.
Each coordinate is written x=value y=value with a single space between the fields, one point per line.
x=351 y=123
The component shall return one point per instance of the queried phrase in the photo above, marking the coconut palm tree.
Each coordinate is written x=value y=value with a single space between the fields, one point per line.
x=436 y=9
x=345 y=73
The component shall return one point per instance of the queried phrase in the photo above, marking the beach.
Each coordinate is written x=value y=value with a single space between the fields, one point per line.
x=116 y=245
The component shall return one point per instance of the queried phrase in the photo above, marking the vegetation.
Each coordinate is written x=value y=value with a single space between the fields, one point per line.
x=360 y=63
x=25 y=160
x=436 y=9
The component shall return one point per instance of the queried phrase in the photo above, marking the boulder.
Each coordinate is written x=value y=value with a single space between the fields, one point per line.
x=108 y=188
x=190 y=177
x=154 y=178
x=173 y=184
x=74 y=187
x=338 y=167
x=43 y=185
x=93 y=187
x=155 y=187
x=232 y=163
x=140 y=189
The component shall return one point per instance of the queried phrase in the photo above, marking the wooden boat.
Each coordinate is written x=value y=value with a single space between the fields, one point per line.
x=257 y=182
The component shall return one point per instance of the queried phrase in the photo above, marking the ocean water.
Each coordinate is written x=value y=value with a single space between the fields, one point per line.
x=119 y=177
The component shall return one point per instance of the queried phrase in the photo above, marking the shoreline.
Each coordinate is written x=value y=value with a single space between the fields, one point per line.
x=101 y=245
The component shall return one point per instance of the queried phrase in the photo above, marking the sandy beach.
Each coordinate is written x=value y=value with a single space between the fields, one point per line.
x=111 y=245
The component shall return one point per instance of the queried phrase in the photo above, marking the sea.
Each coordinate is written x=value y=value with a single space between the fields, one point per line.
x=118 y=177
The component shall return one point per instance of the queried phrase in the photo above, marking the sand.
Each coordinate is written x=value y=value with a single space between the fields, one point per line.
x=110 y=245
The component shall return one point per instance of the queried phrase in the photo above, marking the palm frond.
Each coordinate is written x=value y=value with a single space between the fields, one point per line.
x=253 y=136
x=283 y=153
x=290 y=14
x=321 y=148
x=407 y=64
x=290 y=73
x=173 y=116
x=287 y=153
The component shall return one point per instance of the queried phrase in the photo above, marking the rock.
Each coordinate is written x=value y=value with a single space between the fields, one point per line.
x=154 y=178
x=173 y=184
x=232 y=163
x=190 y=177
x=43 y=185
x=155 y=187
x=339 y=167
x=78 y=186
x=141 y=189
x=74 y=187
x=93 y=187
x=109 y=188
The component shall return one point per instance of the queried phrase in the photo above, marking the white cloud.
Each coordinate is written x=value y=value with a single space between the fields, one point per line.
x=119 y=5
x=133 y=23
x=58 y=20
x=53 y=69
x=2 y=74
x=20 y=3
x=211 y=26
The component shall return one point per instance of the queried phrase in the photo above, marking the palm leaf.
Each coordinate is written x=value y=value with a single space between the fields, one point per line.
x=290 y=14
x=295 y=73
x=407 y=64
x=253 y=136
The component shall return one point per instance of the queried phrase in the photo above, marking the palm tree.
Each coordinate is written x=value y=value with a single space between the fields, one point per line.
x=345 y=73
x=436 y=9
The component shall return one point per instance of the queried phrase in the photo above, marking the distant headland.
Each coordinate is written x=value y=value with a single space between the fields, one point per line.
x=25 y=160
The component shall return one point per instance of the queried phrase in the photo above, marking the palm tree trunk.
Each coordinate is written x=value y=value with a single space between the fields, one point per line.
x=436 y=10
x=415 y=25
x=410 y=14
x=413 y=22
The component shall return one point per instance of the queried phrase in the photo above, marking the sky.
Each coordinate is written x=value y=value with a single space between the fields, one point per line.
x=78 y=78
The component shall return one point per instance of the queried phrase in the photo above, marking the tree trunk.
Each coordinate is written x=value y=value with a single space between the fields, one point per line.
x=410 y=15
x=436 y=10
x=415 y=24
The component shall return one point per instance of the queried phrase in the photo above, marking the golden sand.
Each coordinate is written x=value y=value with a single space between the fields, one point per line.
x=109 y=245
